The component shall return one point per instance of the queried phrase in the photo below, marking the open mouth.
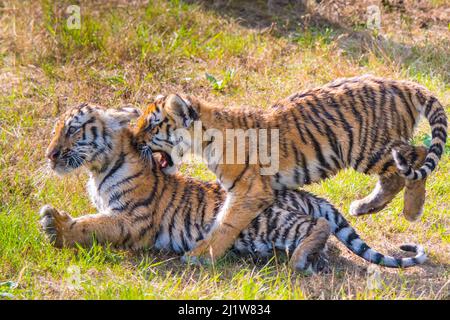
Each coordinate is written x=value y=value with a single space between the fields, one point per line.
x=163 y=159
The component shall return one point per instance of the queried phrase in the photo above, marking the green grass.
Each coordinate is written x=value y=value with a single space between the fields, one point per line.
x=127 y=54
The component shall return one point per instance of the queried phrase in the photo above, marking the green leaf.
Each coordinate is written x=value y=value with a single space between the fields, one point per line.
x=426 y=140
x=9 y=284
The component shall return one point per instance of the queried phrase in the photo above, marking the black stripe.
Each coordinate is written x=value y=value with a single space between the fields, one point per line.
x=352 y=236
x=323 y=110
x=430 y=163
x=423 y=172
x=83 y=127
x=377 y=257
x=329 y=134
x=288 y=227
x=189 y=210
x=347 y=128
x=319 y=155
x=429 y=106
x=402 y=97
x=94 y=133
x=117 y=195
x=117 y=165
x=297 y=124
x=306 y=178
x=297 y=161
x=386 y=166
x=357 y=115
x=145 y=202
x=122 y=206
x=439 y=133
x=170 y=205
x=420 y=97
x=436 y=149
x=377 y=156
x=438 y=117
x=239 y=176
x=373 y=141
x=363 y=132
x=409 y=104
x=184 y=243
x=315 y=124
x=364 y=247
x=338 y=219
x=202 y=205
x=125 y=180
x=441 y=121
x=187 y=190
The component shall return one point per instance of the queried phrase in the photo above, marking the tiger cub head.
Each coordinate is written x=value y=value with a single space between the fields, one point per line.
x=159 y=129
x=84 y=135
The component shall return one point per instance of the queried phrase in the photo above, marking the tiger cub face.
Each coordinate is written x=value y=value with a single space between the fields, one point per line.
x=83 y=136
x=156 y=129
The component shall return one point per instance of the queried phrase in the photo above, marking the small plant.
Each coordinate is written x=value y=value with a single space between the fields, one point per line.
x=426 y=140
x=220 y=85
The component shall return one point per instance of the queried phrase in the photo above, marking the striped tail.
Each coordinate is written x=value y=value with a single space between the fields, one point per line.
x=348 y=236
x=437 y=118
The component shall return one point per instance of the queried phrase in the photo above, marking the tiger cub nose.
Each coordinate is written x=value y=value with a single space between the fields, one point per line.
x=53 y=154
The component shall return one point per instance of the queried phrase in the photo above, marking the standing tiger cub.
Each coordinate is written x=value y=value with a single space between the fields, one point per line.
x=140 y=206
x=363 y=122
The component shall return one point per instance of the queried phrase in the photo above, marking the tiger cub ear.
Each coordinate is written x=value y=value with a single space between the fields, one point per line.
x=180 y=110
x=123 y=116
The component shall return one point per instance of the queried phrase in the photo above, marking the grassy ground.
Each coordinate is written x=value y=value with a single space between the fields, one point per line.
x=128 y=53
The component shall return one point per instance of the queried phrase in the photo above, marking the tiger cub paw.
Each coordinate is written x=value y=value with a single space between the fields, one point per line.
x=364 y=206
x=313 y=263
x=54 y=224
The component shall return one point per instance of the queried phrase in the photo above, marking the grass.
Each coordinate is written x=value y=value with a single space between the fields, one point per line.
x=127 y=54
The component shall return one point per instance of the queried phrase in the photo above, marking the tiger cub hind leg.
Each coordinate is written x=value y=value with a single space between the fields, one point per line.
x=414 y=197
x=310 y=256
x=391 y=183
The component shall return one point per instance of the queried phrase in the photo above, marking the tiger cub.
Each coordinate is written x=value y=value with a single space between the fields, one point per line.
x=139 y=206
x=363 y=122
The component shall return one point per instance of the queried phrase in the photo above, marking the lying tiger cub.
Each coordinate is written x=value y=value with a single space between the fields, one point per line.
x=139 y=206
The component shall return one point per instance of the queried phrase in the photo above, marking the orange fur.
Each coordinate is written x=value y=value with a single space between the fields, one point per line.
x=364 y=123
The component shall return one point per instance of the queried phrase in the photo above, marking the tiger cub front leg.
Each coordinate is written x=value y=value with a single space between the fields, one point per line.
x=386 y=189
x=64 y=231
x=241 y=206
x=391 y=183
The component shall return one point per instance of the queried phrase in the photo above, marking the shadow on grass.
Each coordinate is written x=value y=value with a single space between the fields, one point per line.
x=232 y=262
x=294 y=22
x=269 y=16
